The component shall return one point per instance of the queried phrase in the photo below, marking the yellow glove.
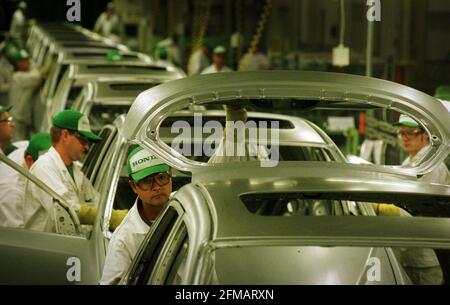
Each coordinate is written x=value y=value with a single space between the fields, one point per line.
x=116 y=218
x=236 y=113
x=44 y=69
x=383 y=209
x=87 y=214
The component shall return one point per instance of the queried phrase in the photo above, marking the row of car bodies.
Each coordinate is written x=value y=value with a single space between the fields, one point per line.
x=307 y=220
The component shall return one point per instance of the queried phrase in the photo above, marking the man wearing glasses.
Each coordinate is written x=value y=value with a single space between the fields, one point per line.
x=6 y=128
x=71 y=137
x=415 y=141
x=151 y=181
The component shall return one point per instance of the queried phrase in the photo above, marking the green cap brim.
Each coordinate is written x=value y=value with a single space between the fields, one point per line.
x=5 y=109
x=407 y=124
x=162 y=168
x=92 y=137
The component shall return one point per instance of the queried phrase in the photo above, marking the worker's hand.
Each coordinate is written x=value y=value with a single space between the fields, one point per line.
x=116 y=218
x=44 y=69
x=236 y=113
x=86 y=214
x=383 y=209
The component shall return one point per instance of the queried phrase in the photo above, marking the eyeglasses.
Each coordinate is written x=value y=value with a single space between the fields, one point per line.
x=160 y=179
x=409 y=134
x=9 y=120
x=83 y=140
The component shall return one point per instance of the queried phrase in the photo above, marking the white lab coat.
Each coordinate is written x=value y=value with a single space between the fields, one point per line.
x=212 y=69
x=23 y=86
x=422 y=263
x=173 y=51
x=105 y=25
x=254 y=62
x=198 y=62
x=439 y=175
x=12 y=187
x=18 y=23
x=50 y=168
x=6 y=75
x=123 y=246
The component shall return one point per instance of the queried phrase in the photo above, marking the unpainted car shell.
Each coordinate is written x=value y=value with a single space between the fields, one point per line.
x=313 y=89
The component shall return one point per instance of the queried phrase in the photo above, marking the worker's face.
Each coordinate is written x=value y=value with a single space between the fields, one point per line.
x=412 y=139
x=218 y=59
x=76 y=144
x=6 y=128
x=23 y=65
x=154 y=190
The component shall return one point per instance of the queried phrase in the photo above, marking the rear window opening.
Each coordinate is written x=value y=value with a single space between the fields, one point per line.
x=292 y=206
x=102 y=115
x=131 y=87
x=344 y=204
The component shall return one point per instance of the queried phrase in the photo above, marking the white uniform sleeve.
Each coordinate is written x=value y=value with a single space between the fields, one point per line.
x=11 y=195
x=117 y=261
x=53 y=180
x=27 y=79
x=99 y=23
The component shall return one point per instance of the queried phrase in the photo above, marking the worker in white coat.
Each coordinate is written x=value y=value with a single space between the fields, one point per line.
x=169 y=50
x=6 y=72
x=151 y=180
x=12 y=183
x=218 y=64
x=25 y=82
x=254 y=61
x=108 y=23
x=59 y=168
x=7 y=126
x=199 y=60
x=19 y=21
x=421 y=264
x=415 y=142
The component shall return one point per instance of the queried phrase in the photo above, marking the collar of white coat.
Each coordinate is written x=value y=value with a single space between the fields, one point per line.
x=18 y=156
x=54 y=155
x=136 y=221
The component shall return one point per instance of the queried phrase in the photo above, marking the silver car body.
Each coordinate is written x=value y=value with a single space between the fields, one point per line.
x=315 y=89
x=206 y=231
x=78 y=75
x=48 y=264
x=103 y=100
x=210 y=237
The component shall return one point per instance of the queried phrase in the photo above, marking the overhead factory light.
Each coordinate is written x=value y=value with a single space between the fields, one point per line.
x=341 y=54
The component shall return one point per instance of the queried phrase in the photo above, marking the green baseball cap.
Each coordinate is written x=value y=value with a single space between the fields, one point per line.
x=19 y=55
x=114 y=56
x=39 y=144
x=141 y=164
x=5 y=109
x=75 y=121
x=405 y=120
x=7 y=48
x=443 y=93
x=219 y=50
